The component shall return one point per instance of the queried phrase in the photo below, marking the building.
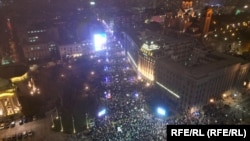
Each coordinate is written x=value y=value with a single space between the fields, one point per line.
x=190 y=73
x=194 y=76
x=155 y=48
x=147 y=58
x=75 y=49
x=39 y=52
x=40 y=43
x=132 y=46
x=190 y=20
x=180 y=20
x=9 y=104
x=9 y=76
x=183 y=68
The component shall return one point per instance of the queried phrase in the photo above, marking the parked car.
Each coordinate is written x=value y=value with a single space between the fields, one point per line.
x=2 y=126
x=12 y=124
x=21 y=122
x=30 y=133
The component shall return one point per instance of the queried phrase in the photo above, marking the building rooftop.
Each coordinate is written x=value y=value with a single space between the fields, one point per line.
x=214 y=62
x=12 y=70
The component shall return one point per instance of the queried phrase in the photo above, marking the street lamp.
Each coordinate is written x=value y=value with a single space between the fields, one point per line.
x=32 y=87
x=92 y=3
x=224 y=95
x=61 y=124
x=244 y=83
x=211 y=100
x=73 y=121
x=57 y=114
x=86 y=88
x=53 y=124
x=87 y=123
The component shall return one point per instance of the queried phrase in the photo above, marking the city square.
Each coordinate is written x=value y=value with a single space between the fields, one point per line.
x=121 y=71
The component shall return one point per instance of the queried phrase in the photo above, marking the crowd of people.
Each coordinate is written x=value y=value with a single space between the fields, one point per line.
x=127 y=117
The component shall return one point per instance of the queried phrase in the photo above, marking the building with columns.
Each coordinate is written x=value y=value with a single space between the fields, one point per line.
x=9 y=104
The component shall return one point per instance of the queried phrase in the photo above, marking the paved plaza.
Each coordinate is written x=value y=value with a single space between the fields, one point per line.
x=41 y=129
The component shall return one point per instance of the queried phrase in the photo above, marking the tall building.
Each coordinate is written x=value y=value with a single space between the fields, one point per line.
x=154 y=48
x=147 y=58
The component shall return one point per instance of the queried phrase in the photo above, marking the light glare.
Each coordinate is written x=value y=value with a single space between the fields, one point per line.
x=161 y=111
x=100 y=41
x=102 y=112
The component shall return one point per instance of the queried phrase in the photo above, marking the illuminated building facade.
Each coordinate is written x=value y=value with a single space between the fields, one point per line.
x=151 y=51
x=75 y=49
x=9 y=104
x=194 y=21
x=146 y=61
x=183 y=17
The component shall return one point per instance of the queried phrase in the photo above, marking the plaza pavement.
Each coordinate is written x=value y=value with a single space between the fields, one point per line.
x=41 y=128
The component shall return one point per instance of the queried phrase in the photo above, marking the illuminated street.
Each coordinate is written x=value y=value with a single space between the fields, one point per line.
x=76 y=70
